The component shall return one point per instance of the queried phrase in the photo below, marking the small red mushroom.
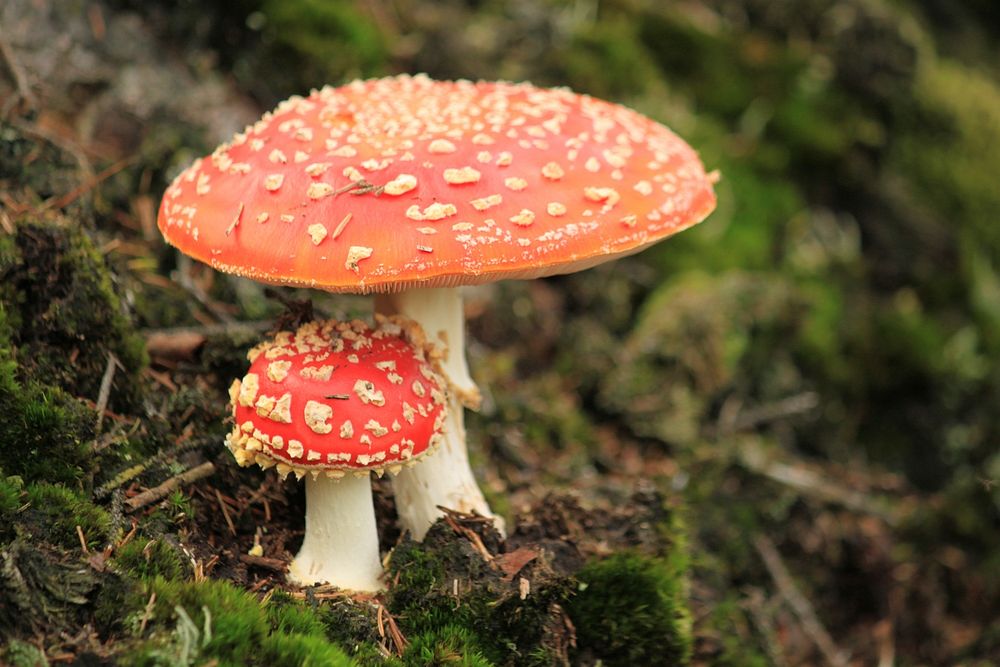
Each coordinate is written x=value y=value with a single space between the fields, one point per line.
x=411 y=188
x=332 y=402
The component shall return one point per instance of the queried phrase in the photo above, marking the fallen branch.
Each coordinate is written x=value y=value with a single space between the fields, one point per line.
x=156 y=493
x=800 y=605
x=183 y=342
x=810 y=483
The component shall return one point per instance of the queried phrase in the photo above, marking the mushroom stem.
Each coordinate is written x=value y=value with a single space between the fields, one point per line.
x=445 y=478
x=341 y=540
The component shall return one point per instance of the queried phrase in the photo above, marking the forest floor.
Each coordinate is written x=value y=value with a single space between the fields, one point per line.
x=691 y=467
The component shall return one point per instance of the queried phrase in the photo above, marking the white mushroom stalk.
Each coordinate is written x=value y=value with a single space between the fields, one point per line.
x=444 y=479
x=341 y=540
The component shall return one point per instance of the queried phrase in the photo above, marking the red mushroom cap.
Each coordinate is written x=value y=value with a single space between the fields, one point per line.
x=401 y=182
x=338 y=396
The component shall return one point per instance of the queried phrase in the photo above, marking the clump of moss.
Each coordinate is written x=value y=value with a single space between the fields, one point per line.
x=11 y=499
x=148 y=559
x=193 y=622
x=22 y=654
x=54 y=512
x=446 y=645
x=630 y=610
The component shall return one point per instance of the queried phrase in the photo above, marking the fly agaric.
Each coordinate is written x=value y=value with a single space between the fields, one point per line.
x=411 y=188
x=332 y=402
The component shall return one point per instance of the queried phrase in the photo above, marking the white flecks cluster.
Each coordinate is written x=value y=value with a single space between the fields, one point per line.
x=487 y=202
x=319 y=190
x=514 y=183
x=316 y=415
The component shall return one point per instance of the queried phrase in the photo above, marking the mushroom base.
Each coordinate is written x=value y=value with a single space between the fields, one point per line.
x=341 y=540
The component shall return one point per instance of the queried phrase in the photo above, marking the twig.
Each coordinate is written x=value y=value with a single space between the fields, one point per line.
x=150 y=496
x=800 y=605
x=91 y=183
x=810 y=483
x=733 y=419
x=148 y=613
x=105 y=392
x=452 y=518
x=273 y=564
x=83 y=539
x=386 y=620
x=225 y=513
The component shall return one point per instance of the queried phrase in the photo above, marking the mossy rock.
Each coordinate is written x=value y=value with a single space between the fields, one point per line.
x=42 y=588
x=698 y=337
x=63 y=316
x=55 y=512
x=488 y=621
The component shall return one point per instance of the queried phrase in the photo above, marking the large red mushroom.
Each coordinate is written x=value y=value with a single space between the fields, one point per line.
x=411 y=188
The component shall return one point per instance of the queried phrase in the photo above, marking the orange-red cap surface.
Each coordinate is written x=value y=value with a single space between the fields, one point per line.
x=338 y=396
x=400 y=182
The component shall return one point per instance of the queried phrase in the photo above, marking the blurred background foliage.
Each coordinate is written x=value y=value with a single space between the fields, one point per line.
x=818 y=362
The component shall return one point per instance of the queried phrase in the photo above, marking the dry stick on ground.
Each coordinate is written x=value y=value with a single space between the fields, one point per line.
x=273 y=564
x=91 y=183
x=163 y=490
x=183 y=342
x=20 y=80
x=802 y=608
x=105 y=392
x=810 y=483
x=225 y=513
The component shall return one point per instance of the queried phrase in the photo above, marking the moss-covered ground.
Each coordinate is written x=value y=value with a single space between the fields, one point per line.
x=770 y=441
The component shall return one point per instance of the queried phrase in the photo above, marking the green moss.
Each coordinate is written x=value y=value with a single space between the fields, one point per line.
x=500 y=625
x=631 y=610
x=147 y=559
x=300 y=651
x=606 y=59
x=22 y=654
x=196 y=622
x=316 y=43
x=696 y=338
x=43 y=587
x=64 y=315
x=446 y=645
x=42 y=435
x=56 y=511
